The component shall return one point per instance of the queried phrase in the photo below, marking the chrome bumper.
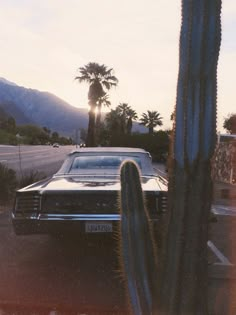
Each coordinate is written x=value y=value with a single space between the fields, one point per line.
x=69 y=217
x=48 y=223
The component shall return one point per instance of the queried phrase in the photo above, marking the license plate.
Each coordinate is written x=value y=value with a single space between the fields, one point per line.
x=98 y=227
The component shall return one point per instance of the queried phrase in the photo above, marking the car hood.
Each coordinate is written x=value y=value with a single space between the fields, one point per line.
x=90 y=183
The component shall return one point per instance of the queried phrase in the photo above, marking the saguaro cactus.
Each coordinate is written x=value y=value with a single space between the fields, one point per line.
x=183 y=280
x=137 y=248
x=184 y=285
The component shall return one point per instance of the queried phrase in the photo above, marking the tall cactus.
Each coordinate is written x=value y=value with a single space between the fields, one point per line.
x=137 y=246
x=182 y=284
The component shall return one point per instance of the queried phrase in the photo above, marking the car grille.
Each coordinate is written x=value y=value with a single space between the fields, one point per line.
x=27 y=203
x=95 y=203
x=80 y=204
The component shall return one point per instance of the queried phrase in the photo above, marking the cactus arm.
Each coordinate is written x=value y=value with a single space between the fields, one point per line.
x=137 y=242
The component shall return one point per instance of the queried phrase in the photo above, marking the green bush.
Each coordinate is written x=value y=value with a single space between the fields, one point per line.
x=7 y=138
x=8 y=183
x=157 y=144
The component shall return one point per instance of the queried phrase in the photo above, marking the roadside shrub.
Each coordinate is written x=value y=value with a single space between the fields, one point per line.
x=30 y=177
x=7 y=138
x=157 y=144
x=8 y=183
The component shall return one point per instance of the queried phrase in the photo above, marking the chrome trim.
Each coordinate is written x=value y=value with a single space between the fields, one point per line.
x=75 y=217
x=79 y=217
x=24 y=217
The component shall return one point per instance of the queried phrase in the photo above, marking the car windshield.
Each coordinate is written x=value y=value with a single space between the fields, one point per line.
x=96 y=163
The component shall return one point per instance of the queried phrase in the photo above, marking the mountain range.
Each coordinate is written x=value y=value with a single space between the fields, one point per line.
x=30 y=106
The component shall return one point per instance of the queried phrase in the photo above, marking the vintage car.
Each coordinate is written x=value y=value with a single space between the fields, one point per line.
x=83 y=195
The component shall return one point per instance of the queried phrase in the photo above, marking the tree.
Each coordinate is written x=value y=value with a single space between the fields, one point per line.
x=113 y=125
x=33 y=134
x=172 y=116
x=118 y=123
x=151 y=120
x=122 y=110
x=8 y=123
x=47 y=130
x=102 y=101
x=127 y=115
x=230 y=123
x=132 y=115
x=55 y=137
x=100 y=80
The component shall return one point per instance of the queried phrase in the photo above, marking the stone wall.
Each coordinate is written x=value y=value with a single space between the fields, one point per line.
x=224 y=162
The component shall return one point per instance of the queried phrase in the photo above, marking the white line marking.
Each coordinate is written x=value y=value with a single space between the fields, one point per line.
x=223 y=260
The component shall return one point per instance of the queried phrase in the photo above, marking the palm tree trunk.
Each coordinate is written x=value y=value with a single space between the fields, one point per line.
x=150 y=130
x=98 y=123
x=129 y=126
x=90 y=141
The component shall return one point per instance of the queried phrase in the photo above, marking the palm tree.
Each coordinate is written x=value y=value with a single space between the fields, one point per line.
x=151 y=120
x=123 y=109
x=119 y=121
x=113 y=125
x=100 y=80
x=113 y=119
x=132 y=115
x=102 y=101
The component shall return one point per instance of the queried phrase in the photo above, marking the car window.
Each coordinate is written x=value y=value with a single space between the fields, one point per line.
x=82 y=163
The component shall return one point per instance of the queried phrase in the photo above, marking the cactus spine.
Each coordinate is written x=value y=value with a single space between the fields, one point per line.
x=137 y=247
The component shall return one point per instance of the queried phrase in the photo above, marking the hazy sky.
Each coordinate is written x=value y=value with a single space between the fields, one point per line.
x=44 y=42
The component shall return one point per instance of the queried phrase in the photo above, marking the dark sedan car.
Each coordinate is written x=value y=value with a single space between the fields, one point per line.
x=83 y=194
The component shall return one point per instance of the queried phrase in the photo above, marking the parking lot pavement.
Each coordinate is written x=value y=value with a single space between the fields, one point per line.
x=221 y=248
x=222 y=251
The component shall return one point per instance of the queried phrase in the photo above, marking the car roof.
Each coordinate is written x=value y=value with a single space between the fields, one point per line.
x=108 y=150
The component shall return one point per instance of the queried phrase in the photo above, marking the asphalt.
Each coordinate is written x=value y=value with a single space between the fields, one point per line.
x=222 y=261
x=221 y=248
x=224 y=193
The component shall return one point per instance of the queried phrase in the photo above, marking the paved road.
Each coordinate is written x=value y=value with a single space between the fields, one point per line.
x=41 y=271
x=41 y=158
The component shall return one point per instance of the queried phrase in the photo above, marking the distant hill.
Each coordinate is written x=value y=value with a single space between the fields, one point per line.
x=44 y=109
x=41 y=108
x=3 y=114
x=10 y=109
